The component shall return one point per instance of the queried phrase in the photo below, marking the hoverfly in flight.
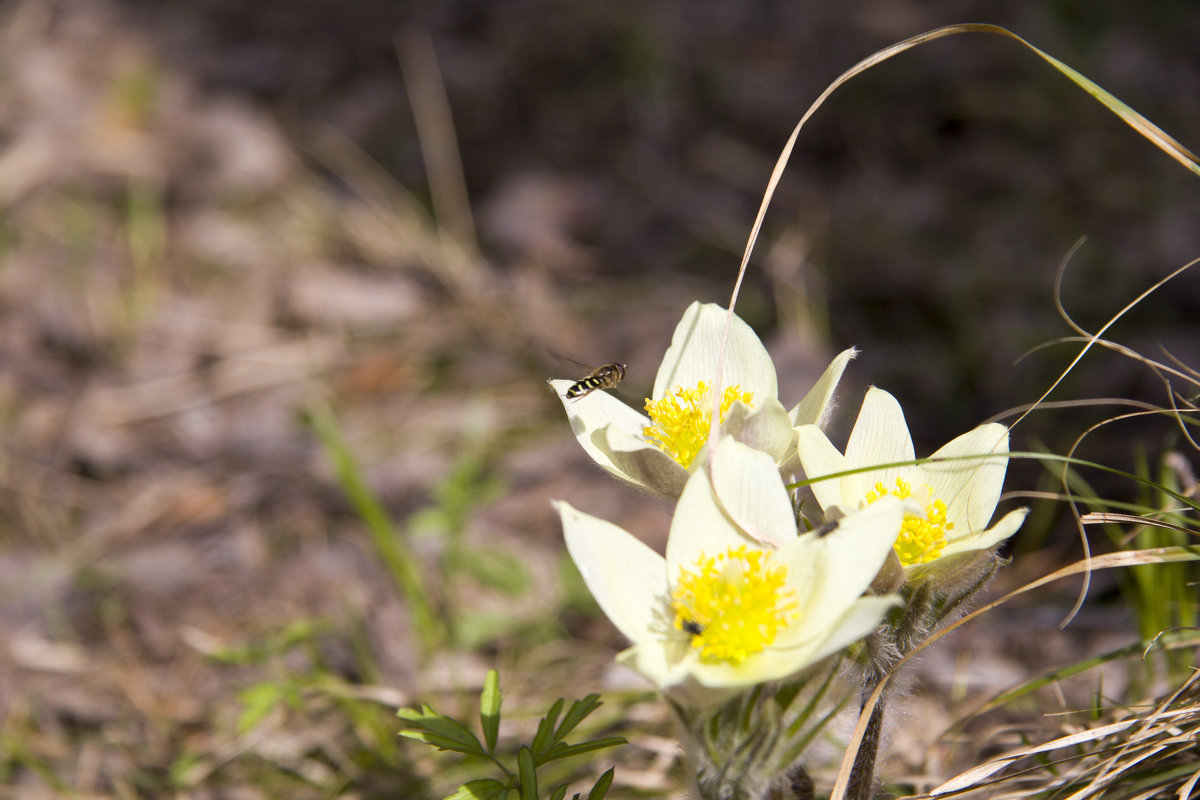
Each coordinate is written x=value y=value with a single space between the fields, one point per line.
x=605 y=377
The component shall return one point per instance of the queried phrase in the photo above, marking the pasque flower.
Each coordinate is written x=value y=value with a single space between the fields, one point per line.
x=955 y=491
x=659 y=449
x=722 y=610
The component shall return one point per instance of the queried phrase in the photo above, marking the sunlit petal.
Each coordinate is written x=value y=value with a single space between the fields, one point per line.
x=969 y=483
x=699 y=527
x=991 y=537
x=816 y=406
x=819 y=458
x=880 y=436
x=639 y=462
x=696 y=349
x=829 y=570
x=593 y=412
x=765 y=427
x=747 y=486
x=626 y=577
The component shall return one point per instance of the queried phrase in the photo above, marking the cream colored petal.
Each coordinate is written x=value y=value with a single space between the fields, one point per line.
x=651 y=660
x=818 y=457
x=970 y=487
x=684 y=688
x=597 y=409
x=696 y=347
x=764 y=427
x=816 y=406
x=863 y=616
x=749 y=489
x=594 y=412
x=829 y=571
x=640 y=462
x=769 y=665
x=880 y=436
x=994 y=535
x=627 y=578
x=776 y=662
x=699 y=527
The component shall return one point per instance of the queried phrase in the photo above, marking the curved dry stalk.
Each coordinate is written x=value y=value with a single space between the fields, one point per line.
x=1093 y=338
x=1149 y=130
x=1129 y=558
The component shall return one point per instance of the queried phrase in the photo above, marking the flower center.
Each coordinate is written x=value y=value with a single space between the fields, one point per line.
x=921 y=539
x=680 y=420
x=733 y=604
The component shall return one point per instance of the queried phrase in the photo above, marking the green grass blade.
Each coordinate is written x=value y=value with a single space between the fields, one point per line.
x=400 y=562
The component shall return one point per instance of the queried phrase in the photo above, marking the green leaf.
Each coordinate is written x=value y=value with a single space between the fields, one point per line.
x=489 y=709
x=544 y=738
x=527 y=774
x=440 y=742
x=443 y=727
x=559 y=793
x=482 y=789
x=578 y=712
x=258 y=701
x=602 y=783
x=567 y=750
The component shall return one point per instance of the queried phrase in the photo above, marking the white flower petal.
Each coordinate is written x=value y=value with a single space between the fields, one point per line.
x=970 y=487
x=699 y=527
x=994 y=535
x=830 y=571
x=626 y=577
x=863 y=616
x=681 y=685
x=594 y=412
x=696 y=348
x=651 y=660
x=778 y=662
x=880 y=436
x=816 y=406
x=764 y=427
x=748 y=487
x=771 y=664
x=640 y=462
x=819 y=457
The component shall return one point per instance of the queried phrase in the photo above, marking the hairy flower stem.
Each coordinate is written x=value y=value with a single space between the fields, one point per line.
x=750 y=747
x=882 y=656
x=862 y=776
x=928 y=605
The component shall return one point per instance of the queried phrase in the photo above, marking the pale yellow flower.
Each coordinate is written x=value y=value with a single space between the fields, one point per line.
x=955 y=492
x=721 y=611
x=659 y=449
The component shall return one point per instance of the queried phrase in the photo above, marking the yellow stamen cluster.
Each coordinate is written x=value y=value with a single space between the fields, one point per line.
x=733 y=604
x=921 y=540
x=680 y=420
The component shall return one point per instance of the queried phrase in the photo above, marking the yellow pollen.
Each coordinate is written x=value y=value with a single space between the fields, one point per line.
x=921 y=540
x=680 y=420
x=733 y=604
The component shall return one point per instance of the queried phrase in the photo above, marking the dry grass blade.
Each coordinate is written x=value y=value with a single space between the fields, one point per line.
x=1104 y=517
x=1149 y=753
x=1084 y=566
x=436 y=133
x=1152 y=132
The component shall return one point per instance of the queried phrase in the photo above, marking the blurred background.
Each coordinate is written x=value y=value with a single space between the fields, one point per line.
x=220 y=221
